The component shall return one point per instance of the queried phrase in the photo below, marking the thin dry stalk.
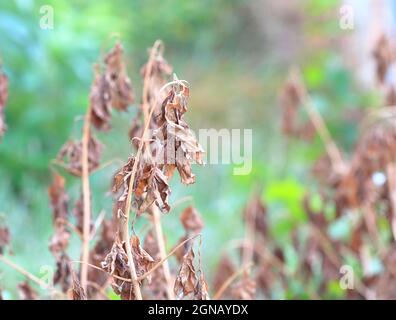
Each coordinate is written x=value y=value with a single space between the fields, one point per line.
x=332 y=150
x=86 y=199
x=125 y=221
x=391 y=176
x=154 y=209
x=161 y=247
x=248 y=248
x=24 y=272
x=229 y=281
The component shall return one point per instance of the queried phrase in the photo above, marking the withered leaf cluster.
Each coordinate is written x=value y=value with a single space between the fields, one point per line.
x=26 y=292
x=191 y=220
x=174 y=145
x=156 y=79
x=71 y=153
x=116 y=263
x=3 y=100
x=77 y=292
x=150 y=186
x=110 y=89
x=255 y=215
x=193 y=224
x=60 y=239
x=291 y=98
x=188 y=282
x=384 y=56
x=179 y=146
x=63 y=272
x=374 y=151
x=5 y=238
x=59 y=203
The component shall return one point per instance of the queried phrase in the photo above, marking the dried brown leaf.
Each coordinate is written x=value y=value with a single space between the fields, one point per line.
x=63 y=273
x=77 y=292
x=5 y=238
x=71 y=152
x=186 y=279
x=26 y=292
x=191 y=220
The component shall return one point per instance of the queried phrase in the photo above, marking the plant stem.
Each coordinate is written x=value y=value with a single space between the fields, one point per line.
x=132 y=268
x=332 y=150
x=229 y=281
x=391 y=176
x=86 y=199
x=154 y=209
x=24 y=272
x=125 y=221
x=161 y=248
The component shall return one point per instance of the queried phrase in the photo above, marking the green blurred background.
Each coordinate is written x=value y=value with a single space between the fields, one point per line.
x=235 y=55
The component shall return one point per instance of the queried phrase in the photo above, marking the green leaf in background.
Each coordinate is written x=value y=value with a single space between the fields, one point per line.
x=288 y=193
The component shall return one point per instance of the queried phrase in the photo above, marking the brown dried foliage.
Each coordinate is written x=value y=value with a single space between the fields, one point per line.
x=5 y=238
x=71 y=153
x=77 y=292
x=59 y=203
x=110 y=89
x=26 y=292
x=291 y=98
x=383 y=55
